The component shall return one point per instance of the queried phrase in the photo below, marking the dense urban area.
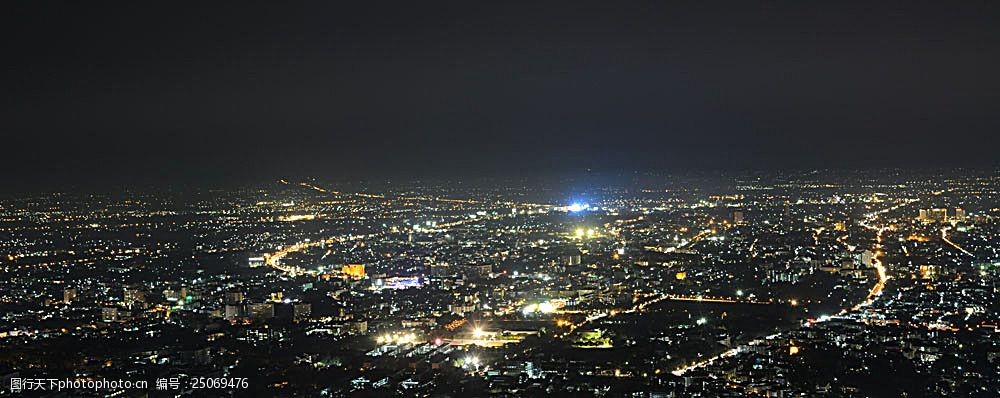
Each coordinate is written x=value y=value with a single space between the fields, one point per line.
x=819 y=283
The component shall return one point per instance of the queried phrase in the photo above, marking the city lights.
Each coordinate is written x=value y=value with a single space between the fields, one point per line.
x=471 y=360
x=425 y=286
x=545 y=307
x=397 y=338
x=522 y=199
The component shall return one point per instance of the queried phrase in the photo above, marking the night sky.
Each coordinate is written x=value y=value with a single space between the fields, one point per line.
x=220 y=91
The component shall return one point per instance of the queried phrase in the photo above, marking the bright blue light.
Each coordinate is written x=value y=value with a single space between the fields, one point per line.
x=577 y=207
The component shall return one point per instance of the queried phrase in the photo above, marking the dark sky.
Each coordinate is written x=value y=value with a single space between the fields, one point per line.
x=190 y=91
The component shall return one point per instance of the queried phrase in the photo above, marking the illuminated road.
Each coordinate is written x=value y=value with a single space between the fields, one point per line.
x=419 y=198
x=713 y=299
x=880 y=271
x=701 y=235
x=876 y=291
x=944 y=236
x=880 y=268
x=725 y=354
x=273 y=260
x=639 y=307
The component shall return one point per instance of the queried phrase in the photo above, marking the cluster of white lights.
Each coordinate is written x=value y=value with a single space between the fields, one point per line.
x=397 y=338
x=543 y=307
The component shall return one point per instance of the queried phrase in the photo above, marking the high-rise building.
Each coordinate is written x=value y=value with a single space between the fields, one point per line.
x=69 y=294
x=737 y=217
x=939 y=215
x=934 y=215
x=866 y=258
x=959 y=214
x=477 y=271
x=353 y=271
x=356 y=326
x=571 y=259
x=134 y=297
x=109 y=314
x=234 y=297
x=233 y=311
x=262 y=310
x=301 y=311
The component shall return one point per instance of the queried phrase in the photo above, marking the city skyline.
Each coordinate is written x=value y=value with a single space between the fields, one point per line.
x=509 y=199
x=815 y=284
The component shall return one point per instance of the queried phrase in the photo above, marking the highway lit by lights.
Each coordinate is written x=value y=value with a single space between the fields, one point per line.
x=641 y=306
x=876 y=290
x=944 y=236
x=880 y=271
x=418 y=198
x=725 y=354
x=273 y=260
